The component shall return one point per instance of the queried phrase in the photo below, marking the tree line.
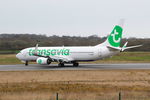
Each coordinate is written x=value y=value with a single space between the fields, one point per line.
x=21 y=41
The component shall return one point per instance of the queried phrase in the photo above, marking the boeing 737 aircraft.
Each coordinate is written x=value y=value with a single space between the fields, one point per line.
x=64 y=55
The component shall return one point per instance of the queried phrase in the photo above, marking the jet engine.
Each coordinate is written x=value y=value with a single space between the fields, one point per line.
x=43 y=61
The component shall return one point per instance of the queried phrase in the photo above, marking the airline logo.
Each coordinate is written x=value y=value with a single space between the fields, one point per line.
x=39 y=61
x=115 y=36
x=50 y=52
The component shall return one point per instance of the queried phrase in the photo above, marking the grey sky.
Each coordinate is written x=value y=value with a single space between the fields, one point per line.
x=75 y=17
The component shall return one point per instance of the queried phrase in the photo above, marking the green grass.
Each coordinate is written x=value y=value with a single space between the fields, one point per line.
x=127 y=57
x=9 y=59
x=124 y=57
x=9 y=51
x=131 y=56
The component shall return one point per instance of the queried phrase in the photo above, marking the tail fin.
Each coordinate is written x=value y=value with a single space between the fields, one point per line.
x=114 y=39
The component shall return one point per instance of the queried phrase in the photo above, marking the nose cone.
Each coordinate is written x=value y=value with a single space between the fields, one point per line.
x=19 y=56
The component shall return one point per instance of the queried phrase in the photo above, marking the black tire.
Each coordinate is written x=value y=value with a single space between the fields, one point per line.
x=61 y=64
x=48 y=61
x=26 y=63
x=76 y=64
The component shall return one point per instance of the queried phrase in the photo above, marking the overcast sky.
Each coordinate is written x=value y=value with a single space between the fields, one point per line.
x=75 y=17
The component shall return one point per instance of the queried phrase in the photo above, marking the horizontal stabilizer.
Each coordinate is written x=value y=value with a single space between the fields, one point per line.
x=132 y=47
x=123 y=48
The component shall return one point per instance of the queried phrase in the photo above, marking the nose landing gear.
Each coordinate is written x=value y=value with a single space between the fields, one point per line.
x=26 y=63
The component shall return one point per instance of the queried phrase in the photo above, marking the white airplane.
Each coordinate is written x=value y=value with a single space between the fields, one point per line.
x=62 y=55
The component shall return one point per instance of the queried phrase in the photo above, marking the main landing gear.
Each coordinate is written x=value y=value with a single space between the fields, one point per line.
x=61 y=64
x=75 y=64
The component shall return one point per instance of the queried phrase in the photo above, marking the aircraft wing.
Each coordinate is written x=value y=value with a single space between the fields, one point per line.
x=57 y=58
x=61 y=58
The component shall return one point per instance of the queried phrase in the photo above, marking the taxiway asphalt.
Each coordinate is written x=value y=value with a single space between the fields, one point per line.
x=31 y=67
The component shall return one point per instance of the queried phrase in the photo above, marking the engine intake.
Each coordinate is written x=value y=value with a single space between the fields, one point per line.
x=43 y=61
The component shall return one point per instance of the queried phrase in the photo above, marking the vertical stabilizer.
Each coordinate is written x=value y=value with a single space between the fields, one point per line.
x=114 y=39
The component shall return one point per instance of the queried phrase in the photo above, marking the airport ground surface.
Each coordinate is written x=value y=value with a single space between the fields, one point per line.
x=86 y=82
x=31 y=67
x=98 y=84
x=128 y=73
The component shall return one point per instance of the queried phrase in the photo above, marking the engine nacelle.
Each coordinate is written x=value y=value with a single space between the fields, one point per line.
x=43 y=61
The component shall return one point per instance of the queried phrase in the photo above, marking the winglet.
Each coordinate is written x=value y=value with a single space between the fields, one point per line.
x=36 y=49
x=124 y=46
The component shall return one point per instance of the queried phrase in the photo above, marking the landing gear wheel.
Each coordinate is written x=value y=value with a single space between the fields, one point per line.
x=48 y=62
x=26 y=63
x=76 y=64
x=61 y=64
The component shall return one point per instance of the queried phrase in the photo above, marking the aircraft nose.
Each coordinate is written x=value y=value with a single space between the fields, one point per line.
x=18 y=56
